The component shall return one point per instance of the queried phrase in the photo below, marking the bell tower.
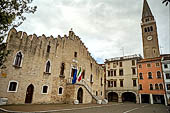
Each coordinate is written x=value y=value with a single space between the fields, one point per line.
x=149 y=33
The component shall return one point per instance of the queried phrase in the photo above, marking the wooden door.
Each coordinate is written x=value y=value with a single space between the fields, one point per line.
x=29 y=94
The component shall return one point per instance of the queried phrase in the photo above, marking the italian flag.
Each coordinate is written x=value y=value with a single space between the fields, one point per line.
x=79 y=74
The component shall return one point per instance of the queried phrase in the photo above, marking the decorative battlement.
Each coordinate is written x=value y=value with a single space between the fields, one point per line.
x=35 y=43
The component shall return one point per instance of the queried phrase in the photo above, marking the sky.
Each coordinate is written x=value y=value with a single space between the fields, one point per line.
x=109 y=28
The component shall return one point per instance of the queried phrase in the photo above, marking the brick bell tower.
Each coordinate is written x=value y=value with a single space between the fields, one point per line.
x=149 y=33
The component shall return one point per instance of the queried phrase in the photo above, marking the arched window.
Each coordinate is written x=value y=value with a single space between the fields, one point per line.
x=151 y=28
x=149 y=75
x=18 y=59
x=145 y=29
x=156 y=87
x=140 y=86
x=158 y=74
x=151 y=87
x=48 y=66
x=60 y=90
x=160 y=86
x=140 y=76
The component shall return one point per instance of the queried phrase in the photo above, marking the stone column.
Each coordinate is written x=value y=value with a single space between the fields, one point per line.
x=140 y=99
x=166 y=103
x=151 y=99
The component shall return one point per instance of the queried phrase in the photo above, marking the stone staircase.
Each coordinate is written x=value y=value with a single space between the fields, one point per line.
x=89 y=89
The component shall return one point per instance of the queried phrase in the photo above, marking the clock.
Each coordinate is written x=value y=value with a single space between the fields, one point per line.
x=149 y=38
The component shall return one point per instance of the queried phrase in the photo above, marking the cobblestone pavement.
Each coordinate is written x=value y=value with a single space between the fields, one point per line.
x=89 y=108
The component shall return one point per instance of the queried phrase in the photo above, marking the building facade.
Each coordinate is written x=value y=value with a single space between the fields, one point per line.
x=41 y=70
x=121 y=79
x=151 y=82
x=166 y=73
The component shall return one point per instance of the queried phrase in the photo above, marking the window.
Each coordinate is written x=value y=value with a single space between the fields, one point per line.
x=60 y=91
x=140 y=86
x=101 y=93
x=165 y=66
x=91 y=78
x=108 y=83
x=114 y=72
x=140 y=76
x=151 y=28
x=111 y=72
x=140 y=66
x=75 y=54
x=148 y=29
x=114 y=65
x=12 y=87
x=121 y=72
x=62 y=69
x=133 y=62
x=168 y=86
x=133 y=71
x=134 y=83
x=149 y=75
x=121 y=83
x=108 y=73
x=47 y=69
x=91 y=66
x=45 y=89
x=160 y=86
x=151 y=87
x=157 y=65
x=145 y=30
x=158 y=74
x=111 y=83
x=18 y=59
x=120 y=64
x=167 y=75
x=83 y=74
x=115 y=84
x=156 y=87
x=148 y=65
x=48 y=48
x=101 y=82
x=96 y=93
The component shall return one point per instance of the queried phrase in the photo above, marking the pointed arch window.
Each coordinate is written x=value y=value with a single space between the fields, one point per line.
x=48 y=67
x=62 y=69
x=18 y=59
x=158 y=74
x=160 y=86
x=156 y=87
x=151 y=87
x=91 y=78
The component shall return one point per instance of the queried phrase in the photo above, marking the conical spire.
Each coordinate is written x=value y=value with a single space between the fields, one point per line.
x=146 y=10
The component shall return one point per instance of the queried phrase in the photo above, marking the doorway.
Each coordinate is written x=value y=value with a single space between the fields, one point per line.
x=80 y=95
x=29 y=94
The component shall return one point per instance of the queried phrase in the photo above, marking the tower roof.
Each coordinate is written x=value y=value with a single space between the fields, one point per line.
x=146 y=10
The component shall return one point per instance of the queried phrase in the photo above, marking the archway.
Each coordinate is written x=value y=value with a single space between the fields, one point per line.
x=29 y=94
x=112 y=97
x=128 y=97
x=80 y=95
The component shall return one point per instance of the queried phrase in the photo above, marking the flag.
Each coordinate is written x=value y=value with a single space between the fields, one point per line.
x=79 y=74
x=74 y=77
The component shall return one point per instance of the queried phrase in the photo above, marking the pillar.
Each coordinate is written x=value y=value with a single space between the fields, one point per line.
x=166 y=103
x=151 y=99
x=140 y=99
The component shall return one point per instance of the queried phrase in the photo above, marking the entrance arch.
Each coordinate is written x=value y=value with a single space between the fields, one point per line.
x=29 y=94
x=112 y=97
x=80 y=95
x=128 y=97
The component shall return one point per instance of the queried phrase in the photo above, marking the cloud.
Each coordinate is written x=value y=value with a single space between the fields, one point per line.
x=105 y=26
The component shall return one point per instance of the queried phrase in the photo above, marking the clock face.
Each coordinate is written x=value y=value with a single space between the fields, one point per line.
x=149 y=38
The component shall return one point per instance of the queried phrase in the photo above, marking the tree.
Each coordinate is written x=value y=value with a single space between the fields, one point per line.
x=166 y=2
x=11 y=15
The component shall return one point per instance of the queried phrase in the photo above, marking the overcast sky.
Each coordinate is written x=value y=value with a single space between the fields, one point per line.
x=105 y=26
